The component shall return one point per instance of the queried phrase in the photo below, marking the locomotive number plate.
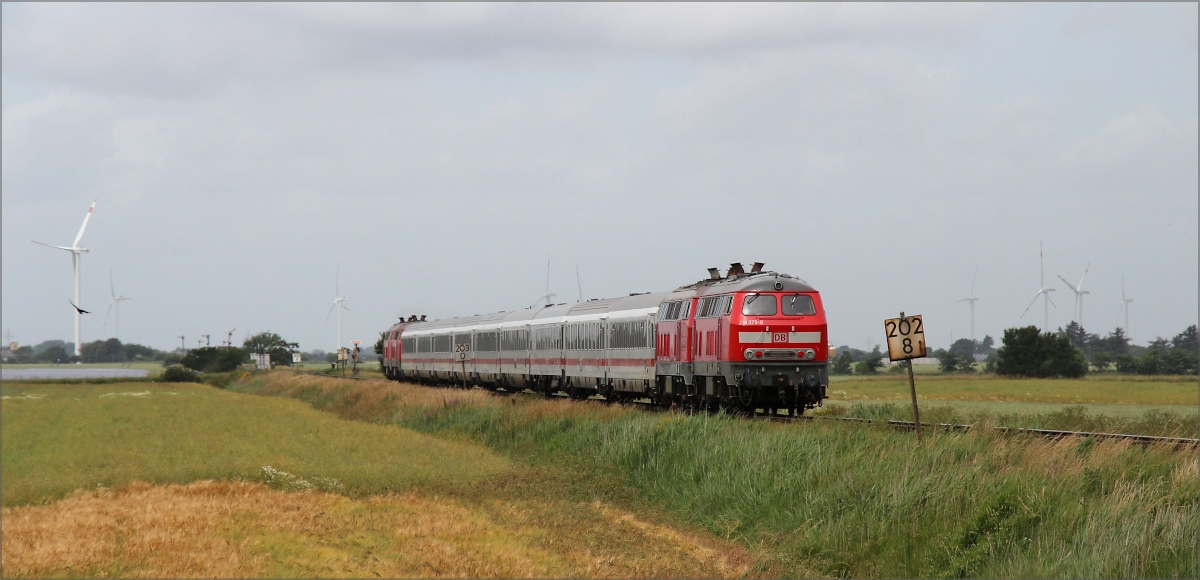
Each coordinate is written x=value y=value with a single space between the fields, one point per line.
x=905 y=337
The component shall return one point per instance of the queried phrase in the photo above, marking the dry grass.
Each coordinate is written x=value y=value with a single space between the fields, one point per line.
x=241 y=529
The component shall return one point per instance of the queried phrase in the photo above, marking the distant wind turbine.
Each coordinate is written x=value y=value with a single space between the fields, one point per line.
x=76 y=250
x=1044 y=292
x=546 y=298
x=1125 y=304
x=1079 y=292
x=971 y=301
x=337 y=301
x=116 y=302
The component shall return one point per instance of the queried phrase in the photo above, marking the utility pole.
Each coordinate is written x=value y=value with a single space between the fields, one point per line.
x=207 y=342
x=181 y=344
x=229 y=338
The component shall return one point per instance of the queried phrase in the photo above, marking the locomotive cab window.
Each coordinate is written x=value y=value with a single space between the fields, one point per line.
x=759 y=305
x=798 y=305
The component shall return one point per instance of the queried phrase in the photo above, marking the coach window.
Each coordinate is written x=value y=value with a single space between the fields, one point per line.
x=759 y=305
x=799 y=305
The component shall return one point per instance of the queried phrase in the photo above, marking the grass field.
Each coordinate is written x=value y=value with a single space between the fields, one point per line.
x=1166 y=406
x=143 y=479
x=844 y=499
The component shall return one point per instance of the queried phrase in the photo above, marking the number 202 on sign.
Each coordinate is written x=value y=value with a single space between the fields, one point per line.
x=905 y=337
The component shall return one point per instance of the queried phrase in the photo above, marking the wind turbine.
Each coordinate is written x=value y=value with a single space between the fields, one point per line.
x=1079 y=292
x=116 y=301
x=75 y=252
x=338 y=301
x=1044 y=292
x=545 y=298
x=971 y=301
x=1125 y=303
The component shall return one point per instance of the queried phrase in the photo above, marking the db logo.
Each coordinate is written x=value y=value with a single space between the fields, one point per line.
x=779 y=337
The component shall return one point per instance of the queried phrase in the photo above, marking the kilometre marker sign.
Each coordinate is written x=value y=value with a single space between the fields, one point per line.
x=906 y=337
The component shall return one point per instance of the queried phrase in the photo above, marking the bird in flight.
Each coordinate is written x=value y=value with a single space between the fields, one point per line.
x=81 y=311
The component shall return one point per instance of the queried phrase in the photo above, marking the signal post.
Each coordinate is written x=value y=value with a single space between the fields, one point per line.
x=906 y=341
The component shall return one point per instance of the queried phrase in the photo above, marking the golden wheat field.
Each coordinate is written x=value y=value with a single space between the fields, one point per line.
x=240 y=529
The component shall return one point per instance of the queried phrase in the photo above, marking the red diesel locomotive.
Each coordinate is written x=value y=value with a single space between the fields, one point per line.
x=745 y=341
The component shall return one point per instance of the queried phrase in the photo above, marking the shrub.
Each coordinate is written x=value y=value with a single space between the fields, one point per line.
x=178 y=374
x=1030 y=353
x=211 y=359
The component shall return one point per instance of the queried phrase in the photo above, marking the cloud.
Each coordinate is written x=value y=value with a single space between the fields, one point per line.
x=182 y=51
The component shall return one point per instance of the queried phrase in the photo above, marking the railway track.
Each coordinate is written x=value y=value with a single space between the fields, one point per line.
x=1177 y=442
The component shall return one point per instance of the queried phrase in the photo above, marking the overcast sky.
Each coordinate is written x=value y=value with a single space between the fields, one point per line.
x=438 y=153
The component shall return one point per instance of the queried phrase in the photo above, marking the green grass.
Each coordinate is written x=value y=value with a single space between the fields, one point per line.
x=59 y=438
x=1107 y=389
x=855 y=500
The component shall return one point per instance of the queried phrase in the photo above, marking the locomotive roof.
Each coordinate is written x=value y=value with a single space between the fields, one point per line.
x=755 y=282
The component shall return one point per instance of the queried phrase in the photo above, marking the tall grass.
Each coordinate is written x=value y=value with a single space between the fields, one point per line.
x=1153 y=421
x=846 y=499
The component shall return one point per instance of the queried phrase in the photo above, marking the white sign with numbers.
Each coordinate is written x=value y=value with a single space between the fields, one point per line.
x=905 y=337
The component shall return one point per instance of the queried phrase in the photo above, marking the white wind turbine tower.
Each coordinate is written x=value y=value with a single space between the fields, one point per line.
x=1079 y=292
x=75 y=252
x=545 y=298
x=971 y=300
x=338 y=301
x=1125 y=304
x=116 y=301
x=1044 y=292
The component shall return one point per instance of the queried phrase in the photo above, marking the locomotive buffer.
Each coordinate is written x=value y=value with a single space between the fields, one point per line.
x=906 y=341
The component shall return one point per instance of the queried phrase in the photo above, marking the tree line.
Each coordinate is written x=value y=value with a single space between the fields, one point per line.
x=1069 y=352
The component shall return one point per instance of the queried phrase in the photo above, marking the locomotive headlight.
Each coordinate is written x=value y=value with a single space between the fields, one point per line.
x=749 y=354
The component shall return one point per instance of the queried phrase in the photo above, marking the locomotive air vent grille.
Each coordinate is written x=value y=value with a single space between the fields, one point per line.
x=779 y=354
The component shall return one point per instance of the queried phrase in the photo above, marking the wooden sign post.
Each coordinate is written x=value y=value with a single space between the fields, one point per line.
x=461 y=351
x=906 y=341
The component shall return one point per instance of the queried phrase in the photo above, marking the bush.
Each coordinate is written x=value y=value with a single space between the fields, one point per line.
x=172 y=358
x=178 y=374
x=842 y=363
x=1030 y=353
x=211 y=359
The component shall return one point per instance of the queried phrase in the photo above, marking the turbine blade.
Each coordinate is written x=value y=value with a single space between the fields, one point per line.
x=1122 y=286
x=85 y=223
x=110 y=284
x=330 y=313
x=1085 y=271
x=1068 y=284
x=106 y=313
x=1035 y=297
x=49 y=246
x=1048 y=299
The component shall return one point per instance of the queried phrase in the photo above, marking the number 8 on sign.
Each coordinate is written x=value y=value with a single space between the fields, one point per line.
x=906 y=337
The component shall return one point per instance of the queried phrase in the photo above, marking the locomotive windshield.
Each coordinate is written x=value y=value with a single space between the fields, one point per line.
x=799 y=305
x=759 y=305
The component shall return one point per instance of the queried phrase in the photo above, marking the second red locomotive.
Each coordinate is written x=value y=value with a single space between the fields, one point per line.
x=745 y=341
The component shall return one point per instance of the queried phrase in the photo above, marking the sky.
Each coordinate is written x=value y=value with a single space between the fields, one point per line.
x=253 y=161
